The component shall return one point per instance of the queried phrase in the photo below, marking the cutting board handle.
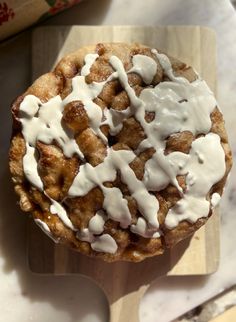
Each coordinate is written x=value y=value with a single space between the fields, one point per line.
x=126 y=307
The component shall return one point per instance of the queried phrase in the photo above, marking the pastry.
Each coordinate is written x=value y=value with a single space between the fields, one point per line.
x=120 y=152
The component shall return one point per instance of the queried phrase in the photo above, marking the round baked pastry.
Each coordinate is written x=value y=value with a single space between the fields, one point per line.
x=120 y=152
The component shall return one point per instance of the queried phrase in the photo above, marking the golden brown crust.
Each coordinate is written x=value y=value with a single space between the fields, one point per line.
x=57 y=171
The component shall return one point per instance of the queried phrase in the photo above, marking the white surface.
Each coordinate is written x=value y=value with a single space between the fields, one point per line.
x=26 y=297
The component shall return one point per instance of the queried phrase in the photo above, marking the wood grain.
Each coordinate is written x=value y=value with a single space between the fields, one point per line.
x=125 y=283
x=228 y=316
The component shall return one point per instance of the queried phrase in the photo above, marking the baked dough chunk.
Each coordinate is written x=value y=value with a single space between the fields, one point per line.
x=120 y=152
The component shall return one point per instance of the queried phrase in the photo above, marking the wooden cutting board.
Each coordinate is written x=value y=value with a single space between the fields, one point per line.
x=125 y=283
x=228 y=316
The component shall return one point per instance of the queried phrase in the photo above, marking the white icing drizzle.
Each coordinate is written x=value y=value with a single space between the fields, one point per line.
x=45 y=229
x=43 y=123
x=215 y=200
x=104 y=243
x=141 y=228
x=89 y=60
x=114 y=203
x=115 y=119
x=201 y=176
x=30 y=166
x=57 y=209
x=85 y=235
x=145 y=66
x=87 y=93
x=178 y=106
x=167 y=67
x=96 y=223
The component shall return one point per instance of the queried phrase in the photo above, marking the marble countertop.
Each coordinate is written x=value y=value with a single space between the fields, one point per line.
x=26 y=297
